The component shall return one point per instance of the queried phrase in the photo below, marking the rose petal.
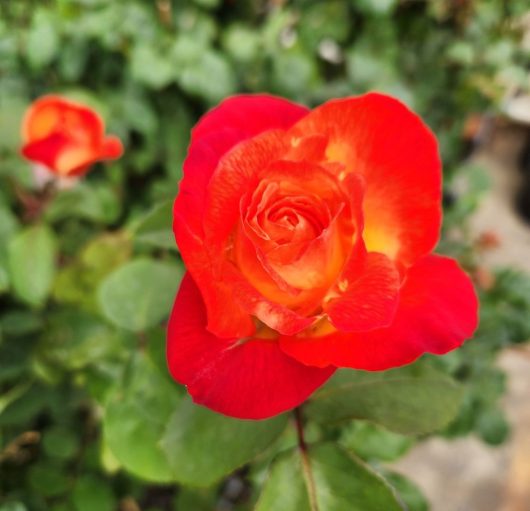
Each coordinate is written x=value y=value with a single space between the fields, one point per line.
x=274 y=314
x=66 y=136
x=112 y=148
x=247 y=380
x=366 y=294
x=219 y=130
x=436 y=314
x=226 y=317
x=46 y=150
x=379 y=138
x=237 y=174
x=248 y=115
x=55 y=114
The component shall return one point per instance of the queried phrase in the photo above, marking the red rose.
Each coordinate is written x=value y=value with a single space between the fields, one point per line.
x=308 y=236
x=66 y=137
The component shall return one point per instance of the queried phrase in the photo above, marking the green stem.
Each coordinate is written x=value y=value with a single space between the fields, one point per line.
x=306 y=463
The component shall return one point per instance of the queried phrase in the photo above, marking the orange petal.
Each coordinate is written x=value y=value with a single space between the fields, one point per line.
x=380 y=139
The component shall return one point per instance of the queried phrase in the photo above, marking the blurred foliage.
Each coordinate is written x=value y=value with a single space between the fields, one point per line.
x=89 y=418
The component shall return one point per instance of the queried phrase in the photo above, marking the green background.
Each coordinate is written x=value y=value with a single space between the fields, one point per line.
x=89 y=418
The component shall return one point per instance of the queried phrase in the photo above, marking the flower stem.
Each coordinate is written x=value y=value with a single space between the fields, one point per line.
x=306 y=463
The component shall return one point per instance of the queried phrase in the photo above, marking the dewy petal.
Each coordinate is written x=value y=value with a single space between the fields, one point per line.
x=437 y=312
x=380 y=139
x=251 y=379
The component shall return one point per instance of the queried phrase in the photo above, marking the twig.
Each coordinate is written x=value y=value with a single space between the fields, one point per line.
x=306 y=463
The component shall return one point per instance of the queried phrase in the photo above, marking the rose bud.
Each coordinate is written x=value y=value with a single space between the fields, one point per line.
x=66 y=137
x=308 y=239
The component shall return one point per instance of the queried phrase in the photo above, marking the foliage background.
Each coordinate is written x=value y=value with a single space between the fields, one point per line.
x=89 y=419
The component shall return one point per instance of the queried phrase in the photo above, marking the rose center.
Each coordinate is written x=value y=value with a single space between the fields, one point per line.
x=283 y=216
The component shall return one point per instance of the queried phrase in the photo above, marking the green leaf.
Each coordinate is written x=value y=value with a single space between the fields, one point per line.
x=47 y=479
x=175 y=126
x=77 y=282
x=13 y=506
x=60 y=442
x=8 y=228
x=73 y=59
x=325 y=20
x=374 y=442
x=242 y=43
x=136 y=413
x=376 y=6
x=203 y=446
x=4 y=279
x=139 y=294
x=410 y=494
x=75 y=339
x=156 y=228
x=12 y=112
x=208 y=4
x=20 y=322
x=43 y=41
x=150 y=67
x=27 y=405
x=294 y=72
x=493 y=427
x=196 y=499
x=31 y=258
x=13 y=394
x=410 y=400
x=91 y=493
x=97 y=203
x=209 y=77
x=337 y=481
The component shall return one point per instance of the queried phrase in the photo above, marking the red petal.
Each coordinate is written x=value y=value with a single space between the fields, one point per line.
x=206 y=258
x=248 y=115
x=367 y=294
x=436 y=314
x=273 y=314
x=112 y=148
x=55 y=114
x=226 y=317
x=247 y=380
x=382 y=140
x=234 y=120
x=66 y=136
x=236 y=174
x=47 y=150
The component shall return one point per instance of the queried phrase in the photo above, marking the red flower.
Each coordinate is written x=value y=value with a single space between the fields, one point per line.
x=66 y=137
x=308 y=236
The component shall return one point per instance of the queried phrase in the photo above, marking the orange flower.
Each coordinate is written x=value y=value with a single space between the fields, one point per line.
x=66 y=137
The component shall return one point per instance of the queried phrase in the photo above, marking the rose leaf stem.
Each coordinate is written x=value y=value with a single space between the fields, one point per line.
x=306 y=463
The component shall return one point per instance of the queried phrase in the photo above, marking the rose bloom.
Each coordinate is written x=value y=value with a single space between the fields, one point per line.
x=307 y=236
x=66 y=137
